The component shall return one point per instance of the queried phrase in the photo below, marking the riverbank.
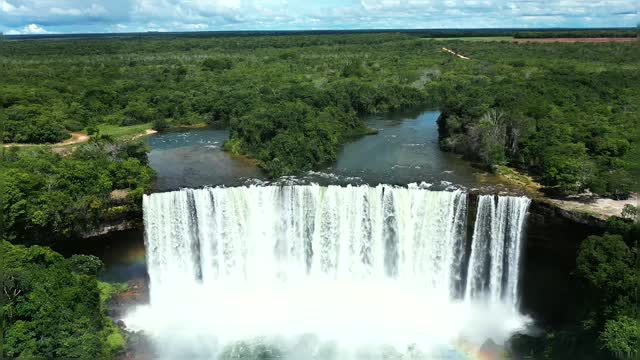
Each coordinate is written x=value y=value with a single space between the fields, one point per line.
x=130 y=132
x=76 y=138
x=586 y=204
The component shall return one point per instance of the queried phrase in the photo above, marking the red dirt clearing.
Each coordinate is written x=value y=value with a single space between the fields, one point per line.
x=575 y=40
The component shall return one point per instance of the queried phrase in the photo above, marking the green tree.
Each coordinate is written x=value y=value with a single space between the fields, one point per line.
x=568 y=167
x=217 y=64
x=621 y=337
x=49 y=311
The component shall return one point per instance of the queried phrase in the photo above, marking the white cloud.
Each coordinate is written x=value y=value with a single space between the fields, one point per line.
x=69 y=11
x=11 y=9
x=6 y=6
x=172 y=15
x=195 y=26
x=93 y=10
x=33 y=29
x=29 y=29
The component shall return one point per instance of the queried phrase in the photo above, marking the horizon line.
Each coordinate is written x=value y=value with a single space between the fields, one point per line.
x=326 y=30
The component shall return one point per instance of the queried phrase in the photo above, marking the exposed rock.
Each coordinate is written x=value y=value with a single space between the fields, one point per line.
x=139 y=347
x=491 y=351
x=594 y=207
x=106 y=228
x=553 y=237
x=137 y=293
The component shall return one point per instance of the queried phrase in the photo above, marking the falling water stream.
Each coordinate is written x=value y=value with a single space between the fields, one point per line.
x=329 y=272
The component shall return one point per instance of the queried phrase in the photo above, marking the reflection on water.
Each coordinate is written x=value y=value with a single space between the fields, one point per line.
x=122 y=254
x=194 y=158
x=405 y=150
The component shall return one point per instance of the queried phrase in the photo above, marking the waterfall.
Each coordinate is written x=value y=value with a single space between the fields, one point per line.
x=386 y=262
x=496 y=246
x=257 y=234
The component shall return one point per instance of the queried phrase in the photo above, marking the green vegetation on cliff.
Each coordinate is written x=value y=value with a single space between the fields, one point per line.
x=47 y=196
x=52 y=307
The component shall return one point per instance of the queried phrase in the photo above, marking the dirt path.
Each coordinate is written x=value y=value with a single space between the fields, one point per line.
x=455 y=53
x=76 y=138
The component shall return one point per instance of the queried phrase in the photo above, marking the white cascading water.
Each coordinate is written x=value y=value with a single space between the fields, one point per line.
x=355 y=267
x=496 y=244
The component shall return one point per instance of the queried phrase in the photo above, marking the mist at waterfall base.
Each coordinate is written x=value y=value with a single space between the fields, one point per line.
x=329 y=272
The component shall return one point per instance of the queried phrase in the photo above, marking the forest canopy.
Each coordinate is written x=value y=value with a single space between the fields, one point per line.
x=47 y=196
x=565 y=113
x=54 y=308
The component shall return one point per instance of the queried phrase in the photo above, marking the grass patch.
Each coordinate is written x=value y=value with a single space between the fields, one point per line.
x=108 y=290
x=124 y=131
x=512 y=176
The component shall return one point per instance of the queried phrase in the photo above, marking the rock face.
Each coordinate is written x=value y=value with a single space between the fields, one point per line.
x=137 y=293
x=138 y=344
x=139 y=347
x=559 y=230
x=112 y=227
x=553 y=239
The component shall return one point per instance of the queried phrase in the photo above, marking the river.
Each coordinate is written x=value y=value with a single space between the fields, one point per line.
x=404 y=151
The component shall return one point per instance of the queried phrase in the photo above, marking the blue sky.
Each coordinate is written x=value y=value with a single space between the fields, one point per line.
x=77 y=16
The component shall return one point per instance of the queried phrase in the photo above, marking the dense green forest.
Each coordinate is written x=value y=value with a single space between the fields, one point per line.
x=54 y=308
x=566 y=113
x=46 y=196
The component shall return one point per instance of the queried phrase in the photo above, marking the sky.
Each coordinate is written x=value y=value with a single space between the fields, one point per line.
x=88 y=16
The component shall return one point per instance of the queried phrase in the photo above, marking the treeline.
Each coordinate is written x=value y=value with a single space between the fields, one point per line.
x=568 y=114
x=606 y=324
x=586 y=33
x=45 y=196
x=54 y=308
x=167 y=44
